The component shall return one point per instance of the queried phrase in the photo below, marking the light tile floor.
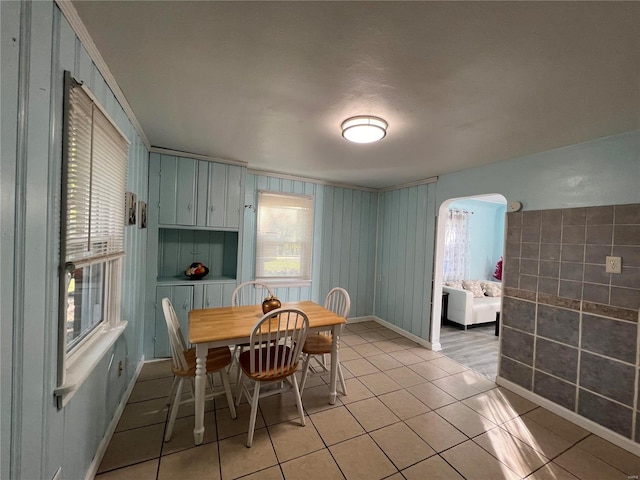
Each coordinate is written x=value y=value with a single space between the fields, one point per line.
x=410 y=414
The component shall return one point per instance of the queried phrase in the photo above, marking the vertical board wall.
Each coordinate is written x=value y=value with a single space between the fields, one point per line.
x=42 y=438
x=343 y=240
x=349 y=225
x=10 y=38
x=405 y=258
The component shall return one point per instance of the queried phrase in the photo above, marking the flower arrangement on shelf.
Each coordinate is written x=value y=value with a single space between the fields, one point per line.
x=196 y=271
x=498 y=273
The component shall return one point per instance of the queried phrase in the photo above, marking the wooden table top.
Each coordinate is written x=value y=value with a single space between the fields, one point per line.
x=227 y=323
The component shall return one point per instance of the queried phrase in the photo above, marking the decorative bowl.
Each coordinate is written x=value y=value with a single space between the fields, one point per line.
x=196 y=271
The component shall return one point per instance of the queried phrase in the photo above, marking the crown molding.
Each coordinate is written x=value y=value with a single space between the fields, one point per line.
x=309 y=179
x=71 y=14
x=178 y=153
x=424 y=181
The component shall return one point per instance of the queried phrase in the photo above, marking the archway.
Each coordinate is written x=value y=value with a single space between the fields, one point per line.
x=495 y=199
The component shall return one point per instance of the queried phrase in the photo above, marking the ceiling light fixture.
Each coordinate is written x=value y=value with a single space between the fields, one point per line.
x=364 y=129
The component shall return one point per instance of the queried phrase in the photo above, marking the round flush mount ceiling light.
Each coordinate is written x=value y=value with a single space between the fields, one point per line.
x=364 y=129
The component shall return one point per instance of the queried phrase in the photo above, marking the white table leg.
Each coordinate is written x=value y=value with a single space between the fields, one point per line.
x=337 y=329
x=201 y=372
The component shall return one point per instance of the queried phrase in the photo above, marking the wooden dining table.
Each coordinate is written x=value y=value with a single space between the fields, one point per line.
x=217 y=327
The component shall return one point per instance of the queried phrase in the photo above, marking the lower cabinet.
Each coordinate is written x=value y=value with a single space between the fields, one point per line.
x=217 y=295
x=185 y=298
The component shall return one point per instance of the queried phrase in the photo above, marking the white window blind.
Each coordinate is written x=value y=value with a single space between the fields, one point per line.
x=94 y=181
x=94 y=175
x=284 y=236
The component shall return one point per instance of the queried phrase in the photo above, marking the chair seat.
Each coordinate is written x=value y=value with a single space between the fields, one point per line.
x=217 y=358
x=264 y=374
x=317 y=344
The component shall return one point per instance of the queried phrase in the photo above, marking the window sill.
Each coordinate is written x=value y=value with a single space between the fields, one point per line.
x=83 y=361
x=285 y=282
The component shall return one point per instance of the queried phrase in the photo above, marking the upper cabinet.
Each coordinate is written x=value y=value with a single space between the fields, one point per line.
x=198 y=192
x=220 y=198
x=178 y=189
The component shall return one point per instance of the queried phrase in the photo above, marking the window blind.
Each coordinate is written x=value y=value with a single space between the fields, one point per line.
x=94 y=180
x=284 y=236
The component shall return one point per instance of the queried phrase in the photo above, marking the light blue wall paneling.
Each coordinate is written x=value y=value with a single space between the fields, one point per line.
x=486 y=235
x=348 y=246
x=42 y=438
x=10 y=42
x=343 y=241
x=35 y=241
x=404 y=258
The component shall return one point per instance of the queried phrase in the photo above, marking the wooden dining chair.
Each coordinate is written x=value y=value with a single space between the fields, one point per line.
x=184 y=368
x=272 y=356
x=248 y=293
x=317 y=346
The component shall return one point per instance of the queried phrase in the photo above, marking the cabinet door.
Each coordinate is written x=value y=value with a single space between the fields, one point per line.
x=224 y=195
x=212 y=295
x=217 y=195
x=181 y=297
x=178 y=190
x=218 y=295
x=233 y=198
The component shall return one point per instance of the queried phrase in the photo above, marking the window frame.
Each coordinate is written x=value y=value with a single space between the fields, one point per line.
x=77 y=359
x=303 y=279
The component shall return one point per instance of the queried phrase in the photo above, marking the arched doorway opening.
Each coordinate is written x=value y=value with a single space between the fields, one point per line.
x=486 y=224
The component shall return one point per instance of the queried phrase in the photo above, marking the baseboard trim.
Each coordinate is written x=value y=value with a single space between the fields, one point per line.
x=404 y=333
x=361 y=319
x=597 y=429
x=102 y=448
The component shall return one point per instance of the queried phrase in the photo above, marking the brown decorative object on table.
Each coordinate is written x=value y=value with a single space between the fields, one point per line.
x=270 y=303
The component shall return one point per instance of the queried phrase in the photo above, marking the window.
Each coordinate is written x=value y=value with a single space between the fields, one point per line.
x=456 y=246
x=285 y=236
x=92 y=217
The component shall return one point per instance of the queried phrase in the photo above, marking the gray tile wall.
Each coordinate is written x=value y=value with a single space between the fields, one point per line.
x=569 y=329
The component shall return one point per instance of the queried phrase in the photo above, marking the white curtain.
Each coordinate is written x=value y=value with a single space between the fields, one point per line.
x=456 y=246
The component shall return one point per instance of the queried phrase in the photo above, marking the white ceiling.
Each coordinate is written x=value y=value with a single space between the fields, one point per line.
x=460 y=83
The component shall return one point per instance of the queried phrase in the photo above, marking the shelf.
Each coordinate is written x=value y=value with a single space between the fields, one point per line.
x=187 y=281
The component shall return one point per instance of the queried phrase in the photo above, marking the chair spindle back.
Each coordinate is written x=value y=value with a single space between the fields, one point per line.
x=277 y=340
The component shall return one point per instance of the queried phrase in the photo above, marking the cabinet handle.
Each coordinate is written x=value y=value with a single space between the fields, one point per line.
x=189 y=206
x=212 y=208
x=186 y=305
x=208 y=302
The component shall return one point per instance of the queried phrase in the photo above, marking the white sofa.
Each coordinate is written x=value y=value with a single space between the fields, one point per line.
x=466 y=310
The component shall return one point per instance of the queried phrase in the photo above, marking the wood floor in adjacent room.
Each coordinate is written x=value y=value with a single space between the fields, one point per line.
x=476 y=347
